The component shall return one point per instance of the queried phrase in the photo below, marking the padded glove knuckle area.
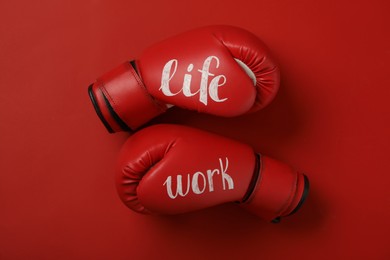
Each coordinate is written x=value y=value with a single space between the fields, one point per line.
x=138 y=156
x=253 y=57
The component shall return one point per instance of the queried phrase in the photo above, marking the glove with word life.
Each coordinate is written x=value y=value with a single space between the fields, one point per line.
x=171 y=169
x=219 y=70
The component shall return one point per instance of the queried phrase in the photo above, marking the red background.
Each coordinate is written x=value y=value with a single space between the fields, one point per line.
x=331 y=119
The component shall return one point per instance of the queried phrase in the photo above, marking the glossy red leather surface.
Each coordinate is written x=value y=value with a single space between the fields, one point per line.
x=205 y=57
x=331 y=119
x=171 y=169
x=219 y=70
x=152 y=159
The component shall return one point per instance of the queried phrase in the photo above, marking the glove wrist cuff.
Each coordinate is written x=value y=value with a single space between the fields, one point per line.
x=280 y=191
x=121 y=100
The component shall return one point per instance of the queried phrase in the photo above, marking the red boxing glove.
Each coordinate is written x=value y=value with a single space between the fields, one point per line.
x=220 y=70
x=169 y=169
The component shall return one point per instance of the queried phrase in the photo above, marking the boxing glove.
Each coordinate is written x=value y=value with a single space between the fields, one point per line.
x=220 y=70
x=170 y=169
